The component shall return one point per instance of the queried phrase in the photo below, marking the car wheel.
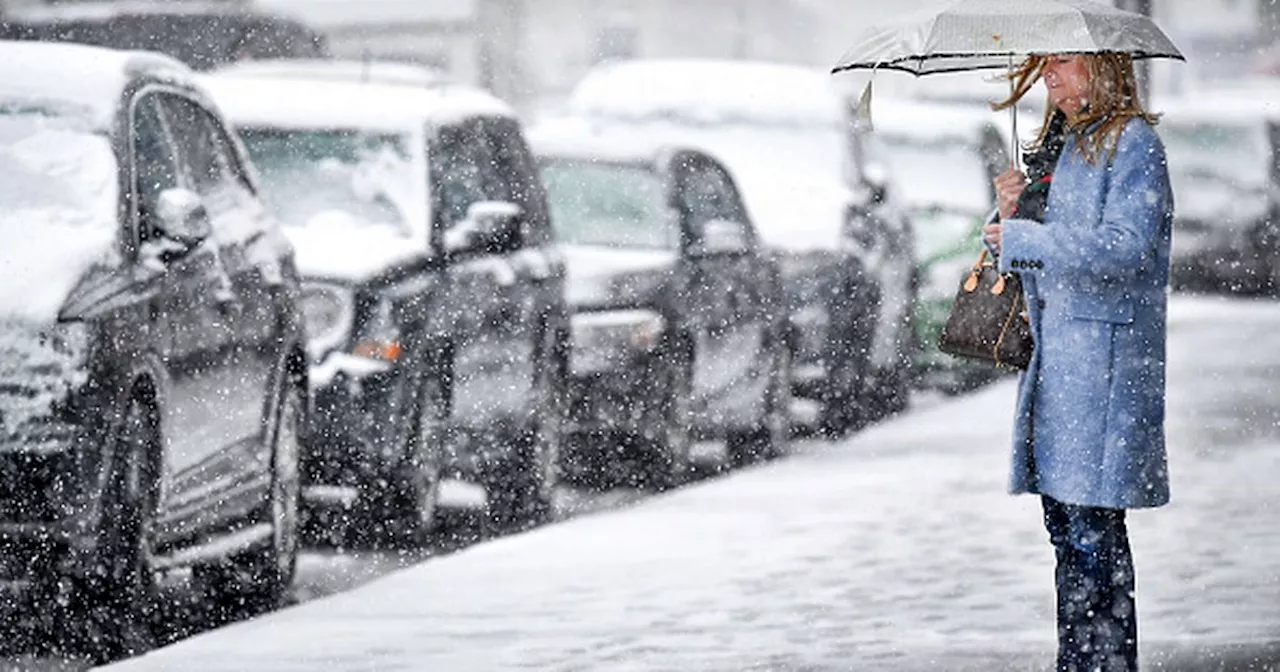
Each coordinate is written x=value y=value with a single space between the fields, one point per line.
x=406 y=508
x=521 y=490
x=110 y=609
x=769 y=439
x=260 y=579
x=669 y=461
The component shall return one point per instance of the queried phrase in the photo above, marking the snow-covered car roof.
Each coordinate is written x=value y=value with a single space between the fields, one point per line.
x=92 y=78
x=710 y=91
x=579 y=138
x=375 y=72
x=934 y=120
x=304 y=103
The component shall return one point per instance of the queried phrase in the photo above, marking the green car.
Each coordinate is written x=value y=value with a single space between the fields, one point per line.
x=943 y=158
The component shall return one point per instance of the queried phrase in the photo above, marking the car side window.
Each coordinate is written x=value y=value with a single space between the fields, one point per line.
x=202 y=149
x=155 y=162
x=707 y=193
x=515 y=166
x=462 y=172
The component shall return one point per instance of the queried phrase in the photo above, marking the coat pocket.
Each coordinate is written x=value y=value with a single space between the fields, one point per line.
x=1116 y=310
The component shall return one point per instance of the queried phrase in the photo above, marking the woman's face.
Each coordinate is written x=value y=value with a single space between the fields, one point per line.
x=1068 y=82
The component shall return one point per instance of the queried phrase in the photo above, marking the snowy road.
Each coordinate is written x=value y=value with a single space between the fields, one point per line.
x=894 y=550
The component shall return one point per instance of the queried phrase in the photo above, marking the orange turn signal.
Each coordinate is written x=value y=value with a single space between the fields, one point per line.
x=389 y=352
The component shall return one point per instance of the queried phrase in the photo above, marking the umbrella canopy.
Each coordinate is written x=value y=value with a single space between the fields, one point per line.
x=986 y=34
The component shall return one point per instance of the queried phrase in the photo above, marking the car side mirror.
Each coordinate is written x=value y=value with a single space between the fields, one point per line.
x=182 y=217
x=876 y=178
x=490 y=226
x=721 y=237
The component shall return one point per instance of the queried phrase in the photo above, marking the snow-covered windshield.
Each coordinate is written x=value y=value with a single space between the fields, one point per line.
x=1235 y=155
x=312 y=176
x=58 y=199
x=614 y=204
x=55 y=170
x=937 y=173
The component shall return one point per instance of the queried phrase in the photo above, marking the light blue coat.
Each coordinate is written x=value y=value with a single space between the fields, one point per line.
x=1089 y=425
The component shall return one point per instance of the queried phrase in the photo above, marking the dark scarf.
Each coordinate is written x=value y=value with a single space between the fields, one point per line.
x=1040 y=164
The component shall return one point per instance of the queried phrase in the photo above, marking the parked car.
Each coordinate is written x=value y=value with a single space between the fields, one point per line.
x=153 y=380
x=679 y=327
x=435 y=303
x=1224 y=166
x=203 y=35
x=943 y=158
x=843 y=242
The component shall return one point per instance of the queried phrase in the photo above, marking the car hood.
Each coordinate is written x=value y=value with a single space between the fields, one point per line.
x=798 y=213
x=599 y=277
x=337 y=246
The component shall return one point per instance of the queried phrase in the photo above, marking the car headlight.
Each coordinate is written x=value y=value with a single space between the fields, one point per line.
x=327 y=311
x=636 y=329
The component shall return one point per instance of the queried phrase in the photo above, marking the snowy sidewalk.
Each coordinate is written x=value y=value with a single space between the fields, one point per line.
x=894 y=550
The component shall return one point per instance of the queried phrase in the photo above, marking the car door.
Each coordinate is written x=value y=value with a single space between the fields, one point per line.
x=227 y=479
x=538 y=292
x=487 y=309
x=725 y=295
x=195 y=336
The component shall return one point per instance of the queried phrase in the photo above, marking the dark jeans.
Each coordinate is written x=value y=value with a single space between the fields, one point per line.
x=1097 y=621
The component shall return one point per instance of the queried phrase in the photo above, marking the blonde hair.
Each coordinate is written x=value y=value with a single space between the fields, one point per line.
x=1112 y=101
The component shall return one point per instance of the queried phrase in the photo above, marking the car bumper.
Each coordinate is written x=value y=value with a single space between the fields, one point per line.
x=627 y=399
x=354 y=437
x=48 y=512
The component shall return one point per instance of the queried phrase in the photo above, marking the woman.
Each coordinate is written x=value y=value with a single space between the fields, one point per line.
x=1089 y=425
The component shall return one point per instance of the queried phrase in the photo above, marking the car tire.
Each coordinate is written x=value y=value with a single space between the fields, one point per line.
x=258 y=580
x=109 y=611
x=521 y=488
x=405 y=509
x=768 y=440
x=669 y=458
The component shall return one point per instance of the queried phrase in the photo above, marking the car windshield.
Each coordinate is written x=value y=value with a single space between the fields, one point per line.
x=313 y=176
x=56 y=170
x=614 y=204
x=937 y=173
x=1234 y=155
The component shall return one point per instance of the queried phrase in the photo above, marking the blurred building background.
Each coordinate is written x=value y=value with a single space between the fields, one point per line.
x=533 y=51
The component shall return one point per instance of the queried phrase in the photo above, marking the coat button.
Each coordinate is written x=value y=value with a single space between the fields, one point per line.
x=1040 y=304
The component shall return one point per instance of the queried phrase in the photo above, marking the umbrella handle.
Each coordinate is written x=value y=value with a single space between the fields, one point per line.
x=1013 y=118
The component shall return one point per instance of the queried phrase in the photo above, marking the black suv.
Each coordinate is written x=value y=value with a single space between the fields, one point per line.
x=153 y=380
x=435 y=307
x=843 y=243
x=679 y=326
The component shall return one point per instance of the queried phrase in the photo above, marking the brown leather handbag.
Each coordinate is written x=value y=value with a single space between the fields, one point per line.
x=988 y=321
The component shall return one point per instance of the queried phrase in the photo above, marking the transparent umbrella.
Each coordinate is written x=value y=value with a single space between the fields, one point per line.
x=964 y=35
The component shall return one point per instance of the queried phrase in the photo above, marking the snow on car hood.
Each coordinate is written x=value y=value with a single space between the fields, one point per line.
x=599 y=276
x=797 y=213
x=57 y=216
x=337 y=246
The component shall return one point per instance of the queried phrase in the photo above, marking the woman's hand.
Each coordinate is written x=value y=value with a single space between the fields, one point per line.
x=1009 y=186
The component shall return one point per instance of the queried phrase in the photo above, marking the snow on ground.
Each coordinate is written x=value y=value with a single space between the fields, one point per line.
x=894 y=550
